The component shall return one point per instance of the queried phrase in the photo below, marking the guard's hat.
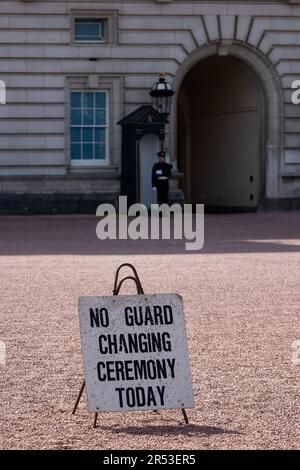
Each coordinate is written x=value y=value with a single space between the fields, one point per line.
x=161 y=154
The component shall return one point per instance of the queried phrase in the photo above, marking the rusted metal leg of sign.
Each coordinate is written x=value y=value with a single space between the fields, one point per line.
x=95 y=420
x=185 y=416
x=77 y=403
x=78 y=398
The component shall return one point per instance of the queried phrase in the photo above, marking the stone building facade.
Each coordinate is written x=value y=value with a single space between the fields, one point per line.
x=74 y=69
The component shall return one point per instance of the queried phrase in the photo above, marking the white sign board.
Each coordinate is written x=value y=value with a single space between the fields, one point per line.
x=135 y=352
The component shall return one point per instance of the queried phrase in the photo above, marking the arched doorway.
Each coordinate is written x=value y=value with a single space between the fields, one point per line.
x=221 y=134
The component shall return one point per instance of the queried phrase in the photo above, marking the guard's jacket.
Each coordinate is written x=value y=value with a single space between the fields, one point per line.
x=160 y=180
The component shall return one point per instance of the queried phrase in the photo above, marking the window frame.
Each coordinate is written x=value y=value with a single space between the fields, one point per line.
x=93 y=162
x=90 y=20
x=110 y=25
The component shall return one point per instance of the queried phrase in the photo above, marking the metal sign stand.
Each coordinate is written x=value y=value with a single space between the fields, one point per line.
x=116 y=290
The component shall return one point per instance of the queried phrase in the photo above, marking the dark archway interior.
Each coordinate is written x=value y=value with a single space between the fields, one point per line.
x=219 y=134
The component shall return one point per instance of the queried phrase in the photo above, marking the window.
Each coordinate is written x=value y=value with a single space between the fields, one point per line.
x=89 y=128
x=89 y=30
x=94 y=26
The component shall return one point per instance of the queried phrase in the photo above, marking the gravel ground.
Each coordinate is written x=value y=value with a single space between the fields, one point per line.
x=242 y=301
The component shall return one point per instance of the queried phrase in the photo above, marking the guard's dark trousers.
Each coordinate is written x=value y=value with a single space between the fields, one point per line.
x=162 y=191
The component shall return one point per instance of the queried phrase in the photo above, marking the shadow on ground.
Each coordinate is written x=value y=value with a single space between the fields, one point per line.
x=224 y=233
x=163 y=430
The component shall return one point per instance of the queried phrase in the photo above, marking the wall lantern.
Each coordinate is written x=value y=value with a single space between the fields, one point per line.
x=161 y=94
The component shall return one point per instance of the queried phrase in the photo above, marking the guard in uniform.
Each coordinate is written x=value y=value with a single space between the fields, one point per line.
x=161 y=172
